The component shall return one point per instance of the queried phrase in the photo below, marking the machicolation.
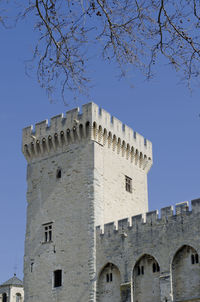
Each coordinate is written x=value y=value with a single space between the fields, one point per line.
x=89 y=235
x=93 y=123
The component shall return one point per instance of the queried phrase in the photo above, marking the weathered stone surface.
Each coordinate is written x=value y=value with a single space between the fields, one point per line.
x=81 y=218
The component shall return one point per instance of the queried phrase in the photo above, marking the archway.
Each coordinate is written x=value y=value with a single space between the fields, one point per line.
x=186 y=274
x=109 y=284
x=146 y=283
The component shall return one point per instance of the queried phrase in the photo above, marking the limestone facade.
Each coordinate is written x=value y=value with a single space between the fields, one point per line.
x=87 y=172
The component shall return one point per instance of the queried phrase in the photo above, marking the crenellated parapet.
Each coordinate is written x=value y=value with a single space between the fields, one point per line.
x=151 y=219
x=91 y=123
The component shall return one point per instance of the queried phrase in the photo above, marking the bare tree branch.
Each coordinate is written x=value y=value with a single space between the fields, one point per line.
x=131 y=33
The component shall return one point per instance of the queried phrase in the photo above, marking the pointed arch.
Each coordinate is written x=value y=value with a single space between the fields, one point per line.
x=186 y=274
x=146 y=282
x=108 y=285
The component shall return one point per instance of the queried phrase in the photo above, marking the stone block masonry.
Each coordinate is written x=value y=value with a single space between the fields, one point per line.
x=87 y=169
x=158 y=257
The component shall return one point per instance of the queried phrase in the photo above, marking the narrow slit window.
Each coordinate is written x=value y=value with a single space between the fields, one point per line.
x=111 y=277
x=128 y=184
x=58 y=174
x=196 y=258
x=58 y=278
x=142 y=270
x=138 y=270
x=192 y=259
x=31 y=267
x=107 y=278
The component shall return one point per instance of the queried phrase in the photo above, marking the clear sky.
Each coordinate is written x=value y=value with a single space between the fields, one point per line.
x=162 y=110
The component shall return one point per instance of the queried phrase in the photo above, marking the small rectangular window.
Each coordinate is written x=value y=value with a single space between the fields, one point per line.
x=128 y=184
x=47 y=232
x=58 y=278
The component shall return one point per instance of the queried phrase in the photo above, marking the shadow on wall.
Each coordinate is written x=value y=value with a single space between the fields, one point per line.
x=185 y=276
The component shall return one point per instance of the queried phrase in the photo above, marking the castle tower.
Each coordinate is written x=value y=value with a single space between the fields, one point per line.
x=12 y=290
x=84 y=170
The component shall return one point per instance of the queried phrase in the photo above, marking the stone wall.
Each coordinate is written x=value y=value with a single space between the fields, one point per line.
x=162 y=247
x=76 y=180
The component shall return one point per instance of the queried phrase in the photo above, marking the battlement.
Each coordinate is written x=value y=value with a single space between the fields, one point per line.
x=150 y=219
x=92 y=123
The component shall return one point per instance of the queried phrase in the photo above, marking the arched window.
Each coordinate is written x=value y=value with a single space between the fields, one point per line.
x=109 y=284
x=18 y=297
x=4 y=297
x=186 y=274
x=146 y=286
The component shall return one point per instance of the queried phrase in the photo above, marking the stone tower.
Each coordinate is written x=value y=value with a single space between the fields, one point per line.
x=84 y=170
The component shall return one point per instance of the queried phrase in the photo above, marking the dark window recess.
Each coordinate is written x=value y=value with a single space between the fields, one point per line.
x=155 y=267
x=48 y=233
x=109 y=277
x=58 y=173
x=57 y=278
x=194 y=258
x=140 y=270
x=128 y=184
x=4 y=297
x=32 y=263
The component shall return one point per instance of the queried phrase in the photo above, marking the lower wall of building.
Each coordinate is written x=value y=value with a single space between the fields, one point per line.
x=151 y=260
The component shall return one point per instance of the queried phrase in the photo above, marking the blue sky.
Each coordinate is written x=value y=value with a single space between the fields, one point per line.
x=162 y=110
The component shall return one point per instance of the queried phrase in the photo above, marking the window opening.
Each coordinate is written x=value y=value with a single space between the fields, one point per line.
x=4 y=296
x=32 y=263
x=128 y=184
x=48 y=232
x=138 y=270
x=142 y=270
x=18 y=297
x=107 y=278
x=57 y=278
x=59 y=173
x=194 y=258
x=155 y=267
